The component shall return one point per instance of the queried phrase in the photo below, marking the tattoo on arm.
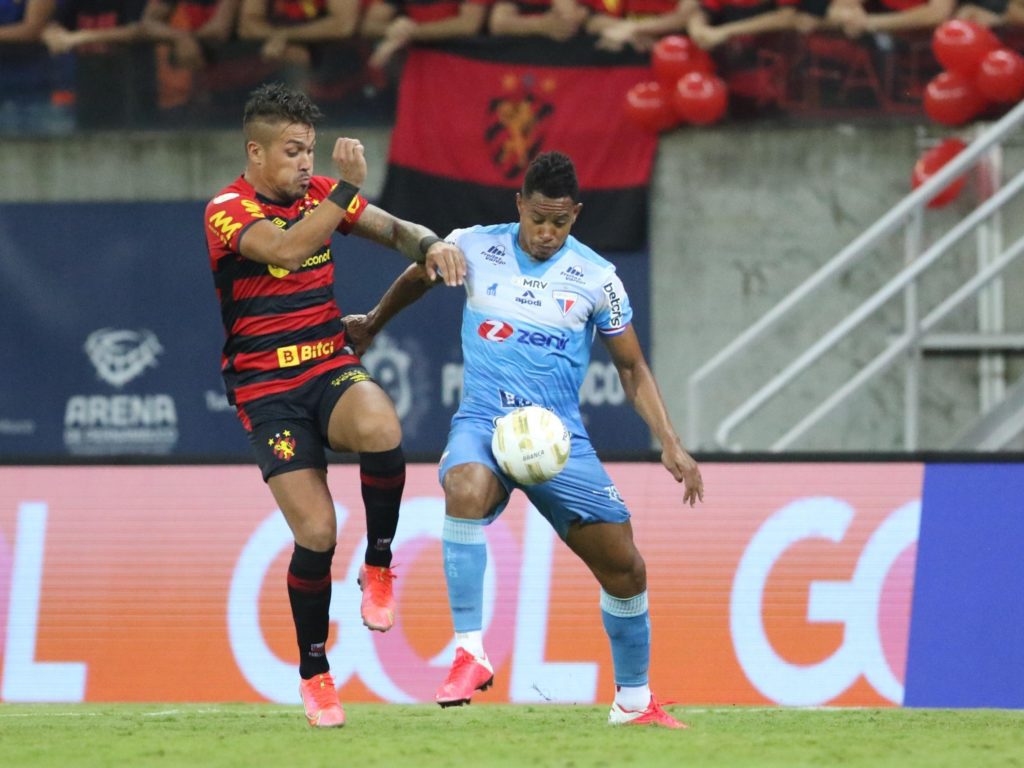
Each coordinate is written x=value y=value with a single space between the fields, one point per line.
x=381 y=227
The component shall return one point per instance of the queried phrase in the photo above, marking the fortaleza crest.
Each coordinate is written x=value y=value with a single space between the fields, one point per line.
x=283 y=445
x=515 y=129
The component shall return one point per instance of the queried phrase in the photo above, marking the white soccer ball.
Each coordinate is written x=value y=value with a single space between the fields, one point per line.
x=530 y=444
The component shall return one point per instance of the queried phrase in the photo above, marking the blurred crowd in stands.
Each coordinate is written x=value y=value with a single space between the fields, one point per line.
x=110 y=63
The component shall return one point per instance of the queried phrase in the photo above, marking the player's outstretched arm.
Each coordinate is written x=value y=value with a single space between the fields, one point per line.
x=642 y=391
x=413 y=283
x=416 y=242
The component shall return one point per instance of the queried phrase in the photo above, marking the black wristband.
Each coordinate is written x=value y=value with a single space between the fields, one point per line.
x=343 y=194
x=425 y=244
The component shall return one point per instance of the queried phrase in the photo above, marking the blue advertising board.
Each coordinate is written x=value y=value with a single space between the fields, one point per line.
x=113 y=335
x=967 y=626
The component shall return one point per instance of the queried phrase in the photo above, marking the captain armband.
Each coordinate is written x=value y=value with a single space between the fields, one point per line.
x=344 y=195
x=353 y=212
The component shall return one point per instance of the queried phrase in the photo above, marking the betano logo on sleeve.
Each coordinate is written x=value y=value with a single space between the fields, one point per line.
x=296 y=354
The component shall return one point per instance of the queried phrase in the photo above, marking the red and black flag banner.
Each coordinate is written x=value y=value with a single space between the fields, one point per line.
x=472 y=116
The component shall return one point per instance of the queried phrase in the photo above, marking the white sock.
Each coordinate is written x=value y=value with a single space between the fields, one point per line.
x=472 y=642
x=633 y=697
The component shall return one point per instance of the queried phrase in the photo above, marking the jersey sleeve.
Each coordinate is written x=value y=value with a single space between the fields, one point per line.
x=612 y=311
x=228 y=215
x=455 y=234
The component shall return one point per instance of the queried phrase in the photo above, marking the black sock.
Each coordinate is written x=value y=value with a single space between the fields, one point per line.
x=309 y=592
x=383 y=480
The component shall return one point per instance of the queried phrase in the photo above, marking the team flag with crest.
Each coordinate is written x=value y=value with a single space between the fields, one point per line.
x=473 y=115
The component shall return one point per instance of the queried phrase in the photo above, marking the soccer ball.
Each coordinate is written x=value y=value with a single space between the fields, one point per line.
x=530 y=444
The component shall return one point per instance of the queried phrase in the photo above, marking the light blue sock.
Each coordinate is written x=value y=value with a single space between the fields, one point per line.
x=628 y=625
x=465 y=560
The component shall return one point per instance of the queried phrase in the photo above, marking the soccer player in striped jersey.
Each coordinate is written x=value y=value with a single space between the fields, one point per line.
x=289 y=369
x=535 y=298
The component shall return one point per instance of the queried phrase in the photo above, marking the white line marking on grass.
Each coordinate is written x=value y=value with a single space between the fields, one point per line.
x=275 y=710
x=741 y=709
x=50 y=714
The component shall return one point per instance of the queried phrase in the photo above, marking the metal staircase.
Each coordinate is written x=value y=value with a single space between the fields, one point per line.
x=1001 y=420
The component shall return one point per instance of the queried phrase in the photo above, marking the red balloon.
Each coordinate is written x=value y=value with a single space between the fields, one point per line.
x=677 y=55
x=951 y=98
x=929 y=164
x=700 y=98
x=647 y=105
x=1001 y=76
x=960 y=45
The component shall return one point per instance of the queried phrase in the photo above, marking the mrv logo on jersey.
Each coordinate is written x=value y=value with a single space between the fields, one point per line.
x=530 y=283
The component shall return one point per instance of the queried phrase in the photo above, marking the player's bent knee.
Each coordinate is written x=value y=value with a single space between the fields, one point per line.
x=382 y=434
x=314 y=536
x=623 y=578
x=365 y=420
x=470 y=493
x=373 y=432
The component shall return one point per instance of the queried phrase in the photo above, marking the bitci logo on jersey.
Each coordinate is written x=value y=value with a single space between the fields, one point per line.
x=495 y=330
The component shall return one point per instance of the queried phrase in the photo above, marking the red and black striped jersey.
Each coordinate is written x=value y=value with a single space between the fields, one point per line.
x=283 y=328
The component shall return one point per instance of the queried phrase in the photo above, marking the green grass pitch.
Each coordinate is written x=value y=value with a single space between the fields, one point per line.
x=424 y=736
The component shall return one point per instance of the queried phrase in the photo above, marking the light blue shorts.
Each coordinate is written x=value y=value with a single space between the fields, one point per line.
x=581 y=493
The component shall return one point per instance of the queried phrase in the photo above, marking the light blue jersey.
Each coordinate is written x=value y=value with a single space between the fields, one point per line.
x=527 y=329
x=528 y=326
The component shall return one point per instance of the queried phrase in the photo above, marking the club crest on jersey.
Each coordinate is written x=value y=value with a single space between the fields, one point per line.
x=283 y=445
x=566 y=300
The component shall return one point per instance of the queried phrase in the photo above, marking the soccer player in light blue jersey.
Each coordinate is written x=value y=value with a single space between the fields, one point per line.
x=535 y=298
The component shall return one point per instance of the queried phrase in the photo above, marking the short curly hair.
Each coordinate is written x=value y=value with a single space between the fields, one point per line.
x=275 y=102
x=553 y=175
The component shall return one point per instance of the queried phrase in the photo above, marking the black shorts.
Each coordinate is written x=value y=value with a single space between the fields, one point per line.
x=289 y=431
